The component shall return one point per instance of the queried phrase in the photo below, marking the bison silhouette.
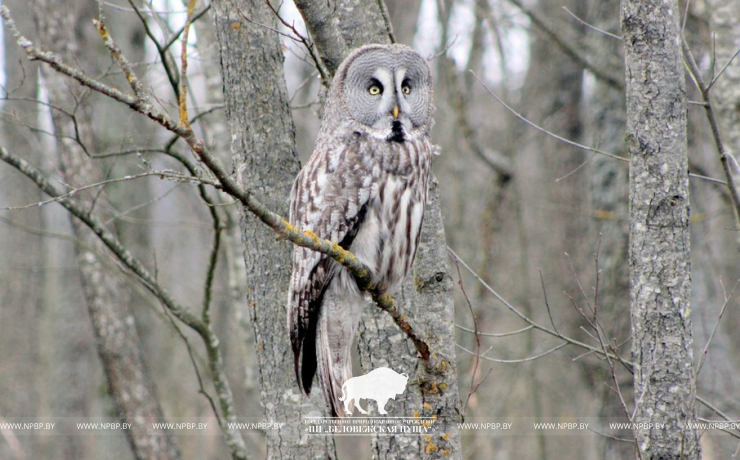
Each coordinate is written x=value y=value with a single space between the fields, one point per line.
x=380 y=384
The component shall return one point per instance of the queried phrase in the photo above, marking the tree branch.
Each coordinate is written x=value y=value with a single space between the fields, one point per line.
x=321 y=23
x=278 y=224
x=725 y=158
x=215 y=360
x=567 y=48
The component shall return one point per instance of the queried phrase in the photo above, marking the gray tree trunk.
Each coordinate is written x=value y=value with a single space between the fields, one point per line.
x=217 y=137
x=263 y=149
x=659 y=252
x=105 y=292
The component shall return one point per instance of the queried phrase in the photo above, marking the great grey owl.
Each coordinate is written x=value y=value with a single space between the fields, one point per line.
x=364 y=187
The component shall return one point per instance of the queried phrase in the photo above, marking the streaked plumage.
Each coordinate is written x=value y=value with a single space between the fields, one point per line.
x=364 y=187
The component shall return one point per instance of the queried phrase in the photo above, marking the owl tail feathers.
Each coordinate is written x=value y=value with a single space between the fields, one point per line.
x=334 y=367
x=304 y=356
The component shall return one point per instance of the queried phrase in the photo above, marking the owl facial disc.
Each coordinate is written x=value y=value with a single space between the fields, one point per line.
x=387 y=91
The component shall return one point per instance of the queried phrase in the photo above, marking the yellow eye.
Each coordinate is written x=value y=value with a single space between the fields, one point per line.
x=406 y=89
x=374 y=90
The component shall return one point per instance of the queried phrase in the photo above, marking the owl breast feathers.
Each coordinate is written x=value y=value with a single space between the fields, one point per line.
x=364 y=187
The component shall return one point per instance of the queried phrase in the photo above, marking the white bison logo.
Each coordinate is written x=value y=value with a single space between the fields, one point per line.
x=380 y=384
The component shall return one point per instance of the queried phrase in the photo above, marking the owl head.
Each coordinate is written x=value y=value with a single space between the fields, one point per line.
x=386 y=92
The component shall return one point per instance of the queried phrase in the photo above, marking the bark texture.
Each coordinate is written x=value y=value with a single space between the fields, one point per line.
x=339 y=27
x=105 y=291
x=263 y=150
x=659 y=257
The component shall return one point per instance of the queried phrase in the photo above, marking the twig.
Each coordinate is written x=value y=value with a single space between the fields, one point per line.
x=123 y=63
x=324 y=73
x=716 y=410
x=321 y=22
x=615 y=438
x=386 y=20
x=599 y=330
x=499 y=164
x=714 y=330
x=539 y=128
x=490 y=334
x=191 y=355
x=195 y=17
x=514 y=361
x=473 y=385
x=713 y=124
x=211 y=270
x=722 y=70
x=529 y=321
x=591 y=26
x=71 y=193
x=567 y=48
x=547 y=303
x=164 y=56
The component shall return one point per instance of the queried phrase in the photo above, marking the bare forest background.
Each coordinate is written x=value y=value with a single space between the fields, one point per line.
x=532 y=180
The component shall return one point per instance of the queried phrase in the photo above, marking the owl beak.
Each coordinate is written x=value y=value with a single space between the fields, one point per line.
x=395 y=112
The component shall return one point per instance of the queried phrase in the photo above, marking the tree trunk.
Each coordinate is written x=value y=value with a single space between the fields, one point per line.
x=263 y=149
x=104 y=289
x=659 y=257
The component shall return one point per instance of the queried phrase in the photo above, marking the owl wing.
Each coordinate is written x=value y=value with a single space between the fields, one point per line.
x=328 y=198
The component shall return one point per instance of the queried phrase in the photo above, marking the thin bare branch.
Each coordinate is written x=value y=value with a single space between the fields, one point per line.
x=473 y=385
x=567 y=47
x=704 y=351
x=492 y=334
x=514 y=361
x=164 y=55
x=722 y=70
x=547 y=303
x=541 y=129
x=324 y=72
x=725 y=157
x=176 y=35
x=387 y=20
x=591 y=26
x=218 y=228
x=529 y=321
x=74 y=191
